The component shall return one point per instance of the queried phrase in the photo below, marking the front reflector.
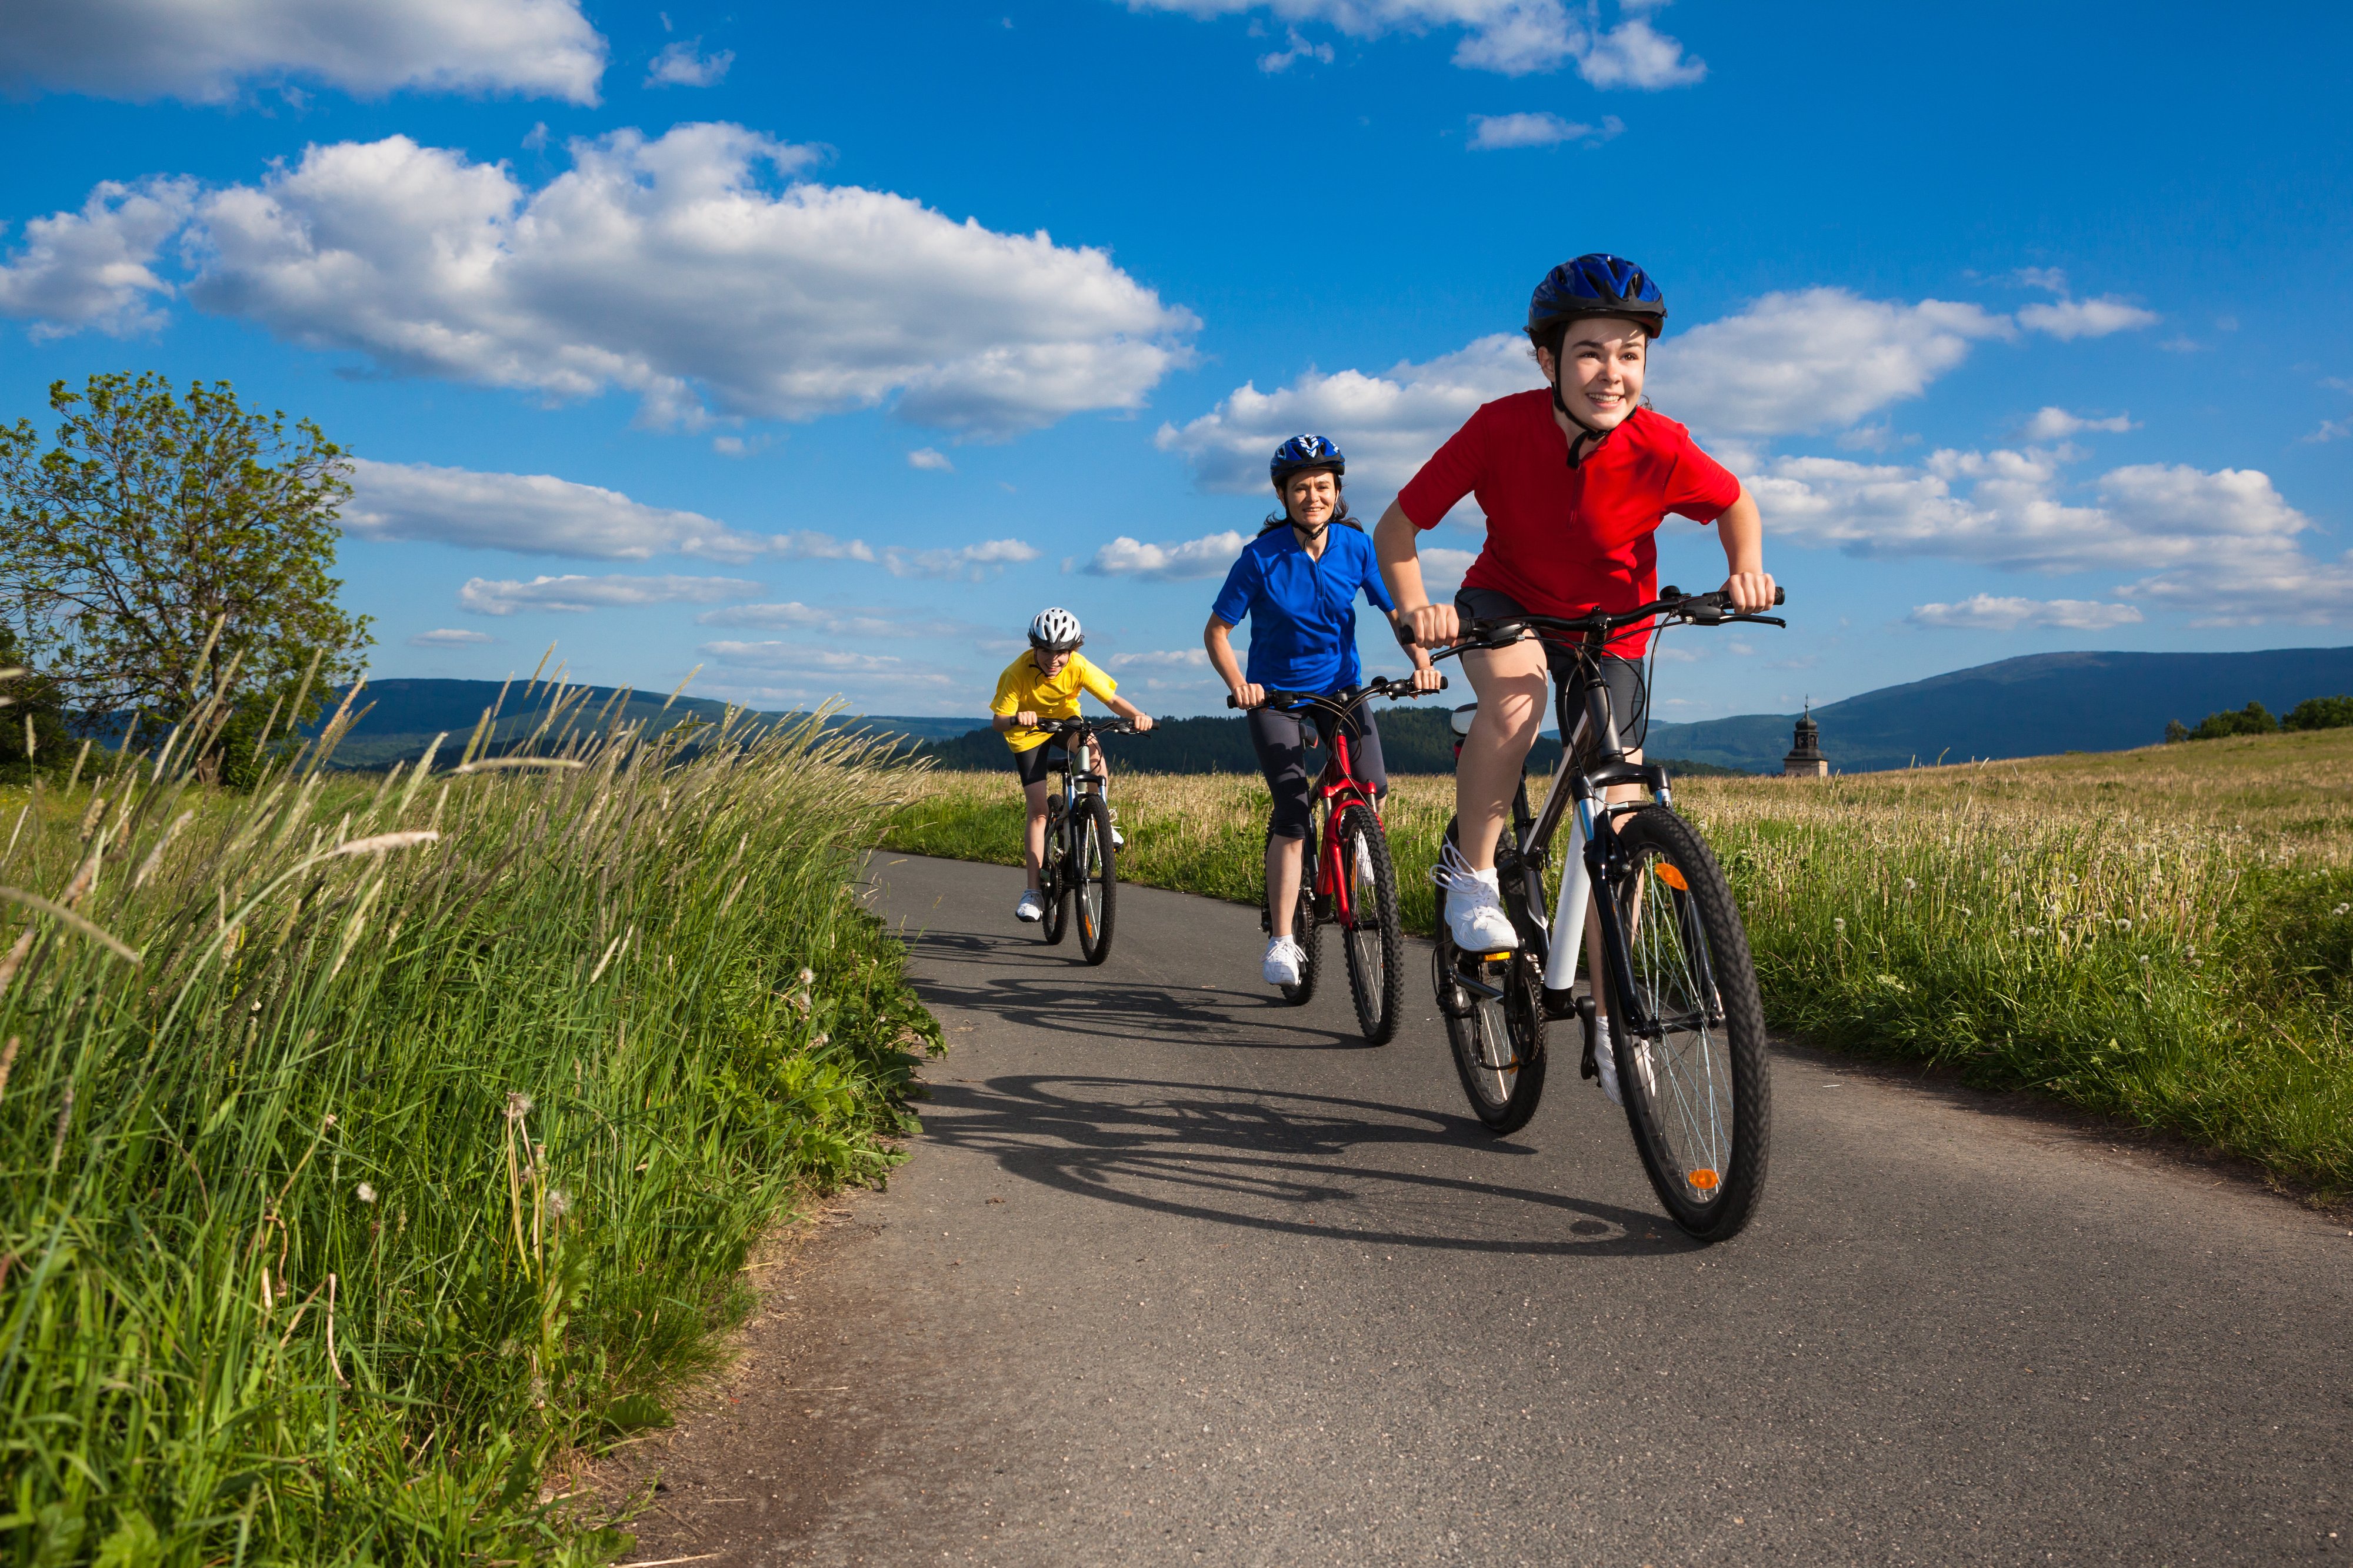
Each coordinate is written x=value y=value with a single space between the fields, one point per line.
x=1704 y=1180
x=1670 y=876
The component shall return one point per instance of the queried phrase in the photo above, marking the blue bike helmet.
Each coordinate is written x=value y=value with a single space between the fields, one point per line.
x=1597 y=284
x=1305 y=452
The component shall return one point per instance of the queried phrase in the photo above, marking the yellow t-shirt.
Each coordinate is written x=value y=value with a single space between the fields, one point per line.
x=1024 y=685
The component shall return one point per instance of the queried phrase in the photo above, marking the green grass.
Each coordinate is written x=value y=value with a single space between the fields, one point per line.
x=2166 y=935
x=398 y=1167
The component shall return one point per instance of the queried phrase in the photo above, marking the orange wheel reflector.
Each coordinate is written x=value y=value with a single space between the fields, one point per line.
x=1499 y=957
x=1703 y=1179
x=1670 y=876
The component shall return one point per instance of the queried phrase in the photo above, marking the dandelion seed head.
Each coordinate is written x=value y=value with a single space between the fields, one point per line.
x=1838 y=924
x=808 y=976
x=518 y=1105
x=2143 y=958
x=2123 y=924
x=1909 y=885
x=365 y=1193
x=559 y=1203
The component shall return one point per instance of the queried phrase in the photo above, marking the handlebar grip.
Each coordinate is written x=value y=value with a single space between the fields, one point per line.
x=1780 y=595
x=1231 y=702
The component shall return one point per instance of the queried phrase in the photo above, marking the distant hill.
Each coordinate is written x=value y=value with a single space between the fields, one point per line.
x=404 y=715
x=2035 y=705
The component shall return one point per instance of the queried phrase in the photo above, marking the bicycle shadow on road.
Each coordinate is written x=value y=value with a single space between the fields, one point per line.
x=1038 y=990
x=1267 y=1160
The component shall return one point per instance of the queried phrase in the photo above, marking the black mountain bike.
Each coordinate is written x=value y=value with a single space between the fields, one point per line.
x=1687 y=1024
x=1352 y=883
x=1079 y=867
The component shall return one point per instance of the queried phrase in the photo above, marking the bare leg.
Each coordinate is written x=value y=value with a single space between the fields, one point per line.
x=1033 y=839
x=1512 y=684
x=1285 y=859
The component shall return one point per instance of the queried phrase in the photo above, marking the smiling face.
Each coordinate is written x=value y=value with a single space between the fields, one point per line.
x=1049 y=660
x=1600 y=371
x=1310 y=497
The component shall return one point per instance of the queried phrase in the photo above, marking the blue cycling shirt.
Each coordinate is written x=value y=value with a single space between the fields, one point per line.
x=1303 y=611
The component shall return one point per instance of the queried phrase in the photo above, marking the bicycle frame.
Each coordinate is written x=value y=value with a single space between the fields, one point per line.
x=1338 y=787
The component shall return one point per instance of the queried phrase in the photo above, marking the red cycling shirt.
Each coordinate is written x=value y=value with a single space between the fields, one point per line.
x=1564 y=541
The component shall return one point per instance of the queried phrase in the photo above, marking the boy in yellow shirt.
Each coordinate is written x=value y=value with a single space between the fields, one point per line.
x=1045 y=683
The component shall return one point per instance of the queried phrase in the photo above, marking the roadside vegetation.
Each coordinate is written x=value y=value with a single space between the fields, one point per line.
x=2164 y=935
x=374 y=1142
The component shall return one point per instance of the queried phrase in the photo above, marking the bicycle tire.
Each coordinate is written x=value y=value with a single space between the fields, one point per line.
x=1498 y=1044
x=1700 y=1107
x=1304 y=929
x=1054 y=876
x=1373 y=940
x=1094 y=883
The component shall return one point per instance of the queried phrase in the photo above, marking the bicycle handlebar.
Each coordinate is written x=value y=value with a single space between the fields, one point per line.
x=1386 y=686
x=1713 y=609
x=1080 y=725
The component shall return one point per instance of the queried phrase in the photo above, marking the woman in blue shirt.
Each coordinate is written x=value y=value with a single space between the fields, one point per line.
x=1298 y=582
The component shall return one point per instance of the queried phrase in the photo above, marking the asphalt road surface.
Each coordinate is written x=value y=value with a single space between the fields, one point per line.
x=1179 y=1274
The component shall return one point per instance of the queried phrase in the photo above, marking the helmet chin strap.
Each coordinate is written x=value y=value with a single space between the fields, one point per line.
x=1577 y=459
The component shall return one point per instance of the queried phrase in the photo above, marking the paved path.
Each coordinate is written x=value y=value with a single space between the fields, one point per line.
x=1178 y=1274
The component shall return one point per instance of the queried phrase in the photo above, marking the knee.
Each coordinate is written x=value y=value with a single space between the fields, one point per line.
x=1290 y=820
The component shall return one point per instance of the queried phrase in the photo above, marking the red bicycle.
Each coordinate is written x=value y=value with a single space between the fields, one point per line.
x=1355 y=885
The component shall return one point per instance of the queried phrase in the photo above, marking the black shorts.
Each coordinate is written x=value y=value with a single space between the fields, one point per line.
x=1032 y=764
x=1629 y=696
x=1290 y=745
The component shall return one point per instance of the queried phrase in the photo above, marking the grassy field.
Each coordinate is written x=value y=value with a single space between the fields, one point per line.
x=2164 y=934
x=373 y=1143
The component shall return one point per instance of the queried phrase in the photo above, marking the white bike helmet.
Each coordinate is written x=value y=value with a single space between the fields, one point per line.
x=1055 y=631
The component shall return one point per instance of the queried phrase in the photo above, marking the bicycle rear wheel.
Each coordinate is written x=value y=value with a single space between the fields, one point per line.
x=1054 y=875
x=1304 y=929
x=1692 y=1070
x=1496 y=1027
x=1372 y=938
x=1095 y=882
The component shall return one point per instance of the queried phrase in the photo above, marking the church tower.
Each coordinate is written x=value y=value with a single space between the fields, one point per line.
x=1805 y=760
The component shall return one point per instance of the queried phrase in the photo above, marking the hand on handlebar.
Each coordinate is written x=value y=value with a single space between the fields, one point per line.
x=1428 y=679
x=1750 y=592
x=1431 y=626
x=1247 y=696
x=1142 y=722
x=1027 y=719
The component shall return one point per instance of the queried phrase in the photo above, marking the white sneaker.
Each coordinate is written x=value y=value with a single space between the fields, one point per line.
x=1475 y=914
x=1284 y=958
x=1605 y=1057
x=1032 y=906
x=1118 y=839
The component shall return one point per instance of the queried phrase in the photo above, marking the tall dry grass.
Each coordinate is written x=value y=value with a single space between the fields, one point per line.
x=371 y=1140
x=2166 y=935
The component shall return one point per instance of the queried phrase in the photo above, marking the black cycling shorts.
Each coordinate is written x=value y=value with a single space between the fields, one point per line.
x=1630 y=697
x=1032 y=764
x=1290 y=745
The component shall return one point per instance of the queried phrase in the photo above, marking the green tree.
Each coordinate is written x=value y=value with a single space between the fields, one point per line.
x=2255 y=719
x=153 y=518
x=2176 y=731
x=2320 y=714
x=32 y=716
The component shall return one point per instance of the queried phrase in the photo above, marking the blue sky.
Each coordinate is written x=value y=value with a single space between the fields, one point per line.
x=821 y=349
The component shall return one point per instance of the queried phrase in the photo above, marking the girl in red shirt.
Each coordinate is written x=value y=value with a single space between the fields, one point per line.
x=1574 y=478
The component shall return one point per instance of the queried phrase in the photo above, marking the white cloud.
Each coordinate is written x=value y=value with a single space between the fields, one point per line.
x=2069 y=319
x=2052 y=279
x=1514 y=38
x=930 y=457
x=1297 y=49
x=1171 y=658
x=2330 y=430
x=2051 y=424
x=1442 y=569
x=535 y=514
x=1210 y=556
x=94 y=267
x=875 y=622
x=1492 y=132
x=1388 y=424
x=143 y=49
x=666 y=268
x=803 y=655
x=969 y=564
x=679 y=64
x=807 y=544
x=1989 y=612
x=1812 y=360
x=485 y=596
x=450 y=636
x=2007 y=509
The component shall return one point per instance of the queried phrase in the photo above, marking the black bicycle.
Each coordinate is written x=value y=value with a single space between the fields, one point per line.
x=1687 y=1024
x=1081 y=866
x=1351 y=883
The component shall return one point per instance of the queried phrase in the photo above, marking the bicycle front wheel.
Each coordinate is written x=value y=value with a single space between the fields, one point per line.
x=1374 y=941
x=1692 y=1067
x=1094 y=883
